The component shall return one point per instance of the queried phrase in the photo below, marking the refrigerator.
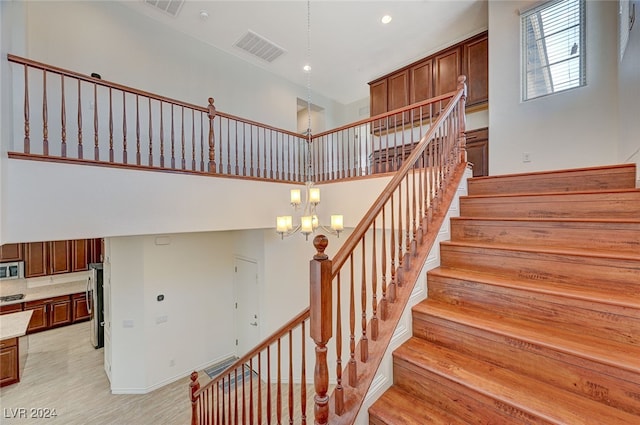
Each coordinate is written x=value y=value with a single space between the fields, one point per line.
x=95 y=304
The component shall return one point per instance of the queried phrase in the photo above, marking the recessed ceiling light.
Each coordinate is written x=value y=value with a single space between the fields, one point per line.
x=386 y=19
x=307 y=68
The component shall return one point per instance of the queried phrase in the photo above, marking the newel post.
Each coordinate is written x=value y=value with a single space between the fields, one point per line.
x=212 y=149
x=320 y=325
x=194 y=386
x=462 y=138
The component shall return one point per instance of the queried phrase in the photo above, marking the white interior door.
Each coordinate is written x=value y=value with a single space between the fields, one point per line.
x=246 y=293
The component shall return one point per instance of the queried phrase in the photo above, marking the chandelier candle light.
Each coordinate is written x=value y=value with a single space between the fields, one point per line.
x=309 y=220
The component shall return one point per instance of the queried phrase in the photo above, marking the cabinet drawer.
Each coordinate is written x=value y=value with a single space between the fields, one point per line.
x=9 y=342
x=36 y=303
x=11 y=308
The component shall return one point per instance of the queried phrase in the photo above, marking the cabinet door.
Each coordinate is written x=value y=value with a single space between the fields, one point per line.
x=39 y=320
x=79 y=254
x=60 y=312
x=446 y=70
x=80 y=311
x=9 y=369
x=476 y=68
x=398 y=96
x=95 y=250
x=36 y=259
x=11 y=252
x=59 y=258
x=378 y=97
x=422 y=84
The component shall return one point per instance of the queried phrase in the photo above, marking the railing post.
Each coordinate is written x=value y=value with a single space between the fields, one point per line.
x=212 y=156
x=194 y=386
x=320 y=325
x=462 y=138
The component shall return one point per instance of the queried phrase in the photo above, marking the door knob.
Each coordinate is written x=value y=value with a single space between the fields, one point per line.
x=254 y=323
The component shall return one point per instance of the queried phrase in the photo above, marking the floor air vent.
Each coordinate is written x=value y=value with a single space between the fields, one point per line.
x=172 y=7
x=259 y=46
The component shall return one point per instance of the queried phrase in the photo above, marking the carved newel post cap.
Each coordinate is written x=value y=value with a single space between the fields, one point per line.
x=320 y=242
x=462 y=79
x=210 y=101
x=194 y=377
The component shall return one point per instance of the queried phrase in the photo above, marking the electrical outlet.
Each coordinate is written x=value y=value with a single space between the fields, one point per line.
x=526 y=157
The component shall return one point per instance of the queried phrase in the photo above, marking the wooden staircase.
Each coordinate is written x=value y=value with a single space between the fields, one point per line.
x=533 y=316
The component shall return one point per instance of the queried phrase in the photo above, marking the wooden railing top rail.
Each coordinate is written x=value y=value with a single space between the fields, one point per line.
x=382 y=116
x=353 y=240
x=122 y=87
x=281 y=332
x=101 y=82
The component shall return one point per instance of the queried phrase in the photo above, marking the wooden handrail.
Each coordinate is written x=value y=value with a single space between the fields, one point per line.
x=352 y=241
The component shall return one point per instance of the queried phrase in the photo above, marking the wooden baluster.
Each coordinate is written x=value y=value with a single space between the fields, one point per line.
x=194 y=386
x=278 y=151
x=173 y=139
x=124 y=129
x=63 y=119
x=96 y=148
x=151 y=136
x=251 y=390
x=383 y=303
x=80 y=154
x=421 y=222
x=320 y=322
x=374 y=285
x=235 y=392
x=193 y=140
x=244 y=150
x=353 y=365
x=271 y=153
x=407 y=208
x=399 y=273
x=339 y=391
x=279 y=387
x=138 y=159
x=290 y=405
x=251 y=152
x=269 y=384
x=27 y=129
x=259 y=407
x=110 y=126
x=223 y=414
x=349 y=155
x=202 y=144
x=364 y=340
x=212 y=114
x=218 y=403
x=45 y=116
x=303 y=378
x=392 y=251
x=237 y=168
x=161 y=136
x=183 y=162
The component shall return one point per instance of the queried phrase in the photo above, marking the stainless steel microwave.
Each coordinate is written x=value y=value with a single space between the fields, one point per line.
x=12 y=270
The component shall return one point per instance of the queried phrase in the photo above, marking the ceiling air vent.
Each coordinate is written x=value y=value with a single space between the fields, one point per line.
x=172 y=7
x=259 y=46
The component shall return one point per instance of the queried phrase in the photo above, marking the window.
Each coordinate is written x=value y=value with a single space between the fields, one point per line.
x=553 y=48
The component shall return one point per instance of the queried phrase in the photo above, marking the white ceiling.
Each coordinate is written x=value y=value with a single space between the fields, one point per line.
x=349 y=46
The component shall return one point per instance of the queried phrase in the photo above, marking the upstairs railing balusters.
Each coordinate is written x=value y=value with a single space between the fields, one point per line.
x=111 y=158
x=173 y=140
x=183 y=161
x=96 y=148
x=150 y=136
x=138 y=159
x=63 y=120
x=27 y=137
x=244 y=151
x=124 y=129
x=80 y=153
x=202 y=142
x=45 y=116
x=161 y=135
x=237 y=165
x=211 y=110
x=193 y=140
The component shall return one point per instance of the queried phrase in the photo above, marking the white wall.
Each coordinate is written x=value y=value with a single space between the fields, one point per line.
x=575 y=128
x=628 y=95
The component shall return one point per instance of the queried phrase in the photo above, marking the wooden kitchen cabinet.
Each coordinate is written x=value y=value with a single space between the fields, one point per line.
x=435 y=75
x=9 y=362
x=11 y=252
x=36 y=259
x=476 y=68
x=11 y=308
x=79 y=255
x=49 y=313
x=478 y=151
x=79 y=305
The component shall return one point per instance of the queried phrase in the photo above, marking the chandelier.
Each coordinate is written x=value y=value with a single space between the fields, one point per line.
x=309 y=221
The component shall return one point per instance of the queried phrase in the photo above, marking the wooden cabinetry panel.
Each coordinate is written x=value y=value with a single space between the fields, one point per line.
x=79 y=254
x=60 y=312
x=9 y=367
x=11 y=252
x=11 y=308
x=59 y=258
x=80 y=310
x=378 y=98
x=36 y=259
x=476 y=68
x=421 y=83
x=38 y=320
x=478 y=151
x=49 y=313
x=95 y=250
x=447 y=67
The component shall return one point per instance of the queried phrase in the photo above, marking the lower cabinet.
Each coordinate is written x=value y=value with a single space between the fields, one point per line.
x=9 y=362
x=80 y=309
x=49 y=313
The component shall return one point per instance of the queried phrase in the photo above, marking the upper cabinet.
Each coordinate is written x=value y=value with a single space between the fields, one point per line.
x=435 y=75
x=11 y=252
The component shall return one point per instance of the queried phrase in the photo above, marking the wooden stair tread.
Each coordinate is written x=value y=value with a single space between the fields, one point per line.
x=554 y=250
x=534 y=195
x=596 y=295
x=525 y=394
x=398 y=407
x=621 y=220
x=612 y=353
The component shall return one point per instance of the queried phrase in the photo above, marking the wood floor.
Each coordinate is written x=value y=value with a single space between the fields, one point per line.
x=64 y=372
